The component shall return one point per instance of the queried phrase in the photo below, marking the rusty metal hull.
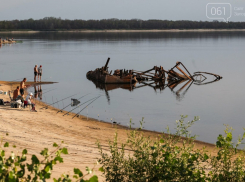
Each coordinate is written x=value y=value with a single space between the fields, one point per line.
x=118 y=79
x=110 y=79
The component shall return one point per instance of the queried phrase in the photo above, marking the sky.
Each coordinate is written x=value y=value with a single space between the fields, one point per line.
x=122 y=9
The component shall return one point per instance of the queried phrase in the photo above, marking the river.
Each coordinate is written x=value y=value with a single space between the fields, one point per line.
x=66 y=58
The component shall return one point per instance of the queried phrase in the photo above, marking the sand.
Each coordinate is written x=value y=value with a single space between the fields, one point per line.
x=38 y=130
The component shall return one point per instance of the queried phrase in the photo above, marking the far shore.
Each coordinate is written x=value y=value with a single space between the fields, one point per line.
x=125 y=31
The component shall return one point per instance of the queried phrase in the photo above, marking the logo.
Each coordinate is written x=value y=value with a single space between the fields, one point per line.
x=219 y=11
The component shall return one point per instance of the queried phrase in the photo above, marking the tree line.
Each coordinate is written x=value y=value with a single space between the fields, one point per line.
x=52 y=23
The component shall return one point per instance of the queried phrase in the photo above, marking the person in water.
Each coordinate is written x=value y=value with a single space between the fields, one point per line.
x=35 y=73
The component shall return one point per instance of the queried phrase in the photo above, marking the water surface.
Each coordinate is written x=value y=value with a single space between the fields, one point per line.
x=66 y=58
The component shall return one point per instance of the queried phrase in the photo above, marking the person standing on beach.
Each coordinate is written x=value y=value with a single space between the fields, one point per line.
x=40 y=71
x=35 y=73
x=22 y=86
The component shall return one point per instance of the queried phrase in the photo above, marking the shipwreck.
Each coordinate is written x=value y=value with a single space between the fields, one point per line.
x=175 y=75
x=119 y=76
x=157 y=78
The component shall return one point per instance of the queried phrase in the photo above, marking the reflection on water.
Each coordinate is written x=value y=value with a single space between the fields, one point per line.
x=179 y=87
x=125 y=36
x=109 y=87
x=38 y=92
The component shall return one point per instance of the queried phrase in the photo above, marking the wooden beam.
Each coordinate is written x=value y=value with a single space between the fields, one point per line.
x=183 y=73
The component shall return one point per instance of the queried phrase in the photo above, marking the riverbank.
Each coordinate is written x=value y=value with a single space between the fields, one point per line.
x=127 y=31
x=37 y=130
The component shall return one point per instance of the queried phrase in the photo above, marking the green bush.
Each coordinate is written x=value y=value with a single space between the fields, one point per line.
x=15 y=168
x=172 y=157
x=229 y=162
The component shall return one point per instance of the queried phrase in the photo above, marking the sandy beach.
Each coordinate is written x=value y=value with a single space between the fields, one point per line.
x=38 y=130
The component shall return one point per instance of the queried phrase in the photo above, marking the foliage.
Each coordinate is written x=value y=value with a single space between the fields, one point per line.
x=52 y=24
x=229 y=163
x=17 y=168
x=172 y=157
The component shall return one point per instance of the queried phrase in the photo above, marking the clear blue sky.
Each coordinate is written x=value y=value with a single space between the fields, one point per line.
x=105 y=9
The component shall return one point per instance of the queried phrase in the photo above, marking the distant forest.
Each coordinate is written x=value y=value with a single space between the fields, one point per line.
x=51 y=23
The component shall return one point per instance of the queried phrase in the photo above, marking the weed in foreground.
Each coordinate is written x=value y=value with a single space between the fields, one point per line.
x=172 y=157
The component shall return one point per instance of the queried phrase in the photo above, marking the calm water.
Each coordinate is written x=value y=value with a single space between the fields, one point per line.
x=66 y=57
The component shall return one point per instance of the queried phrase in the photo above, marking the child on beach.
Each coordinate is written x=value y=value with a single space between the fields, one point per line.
x=28 y=99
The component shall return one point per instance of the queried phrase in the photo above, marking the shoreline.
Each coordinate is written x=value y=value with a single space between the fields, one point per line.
x=79 y=116
x=37 y=130
x=123 y=31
